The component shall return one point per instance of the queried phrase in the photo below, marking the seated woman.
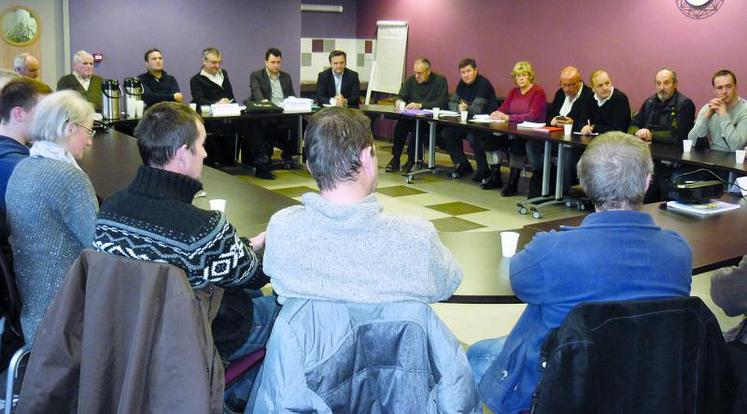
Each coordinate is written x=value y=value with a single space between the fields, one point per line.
x=51 y=204
x=525 y=102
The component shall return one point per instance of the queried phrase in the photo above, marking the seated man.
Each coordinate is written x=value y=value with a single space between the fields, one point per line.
x=211 y=85
x=423 y=90
x=666 y=117
x=723 y=120
x=569 y=106
x=82 y=80
x=272 y=84
x=617 y=253
x=338 y=85
x=322 y=249
x=154 y=219
x=26 y=65
x=474 y=94
x=609 y=110
x=158 y=86
x=18 y=98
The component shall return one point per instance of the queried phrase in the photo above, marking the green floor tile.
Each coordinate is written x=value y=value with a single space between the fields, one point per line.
x=455 y=224
x=457 y=208
x=294 y=191
x=398 y=191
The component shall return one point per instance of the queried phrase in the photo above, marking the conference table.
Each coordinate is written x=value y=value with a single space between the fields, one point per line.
x=113 y=160
x=716 y=241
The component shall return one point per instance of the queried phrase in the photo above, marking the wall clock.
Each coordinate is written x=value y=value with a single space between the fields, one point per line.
x=699 y=9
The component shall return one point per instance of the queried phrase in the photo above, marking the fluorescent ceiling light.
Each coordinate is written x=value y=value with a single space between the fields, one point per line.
x=325 y=8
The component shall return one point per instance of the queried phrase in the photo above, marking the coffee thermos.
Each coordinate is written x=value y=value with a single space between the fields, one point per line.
x=133 y=90
x=110 y=94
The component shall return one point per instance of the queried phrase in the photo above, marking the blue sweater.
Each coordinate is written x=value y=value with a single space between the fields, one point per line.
x=613 y=255
x=11 y=153
x=51 y=216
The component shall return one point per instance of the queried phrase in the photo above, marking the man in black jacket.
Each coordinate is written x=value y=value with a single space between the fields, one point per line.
x=158 y=86
x=211 y=85
x=570 y=106
x=272 y=84
x=338 y=85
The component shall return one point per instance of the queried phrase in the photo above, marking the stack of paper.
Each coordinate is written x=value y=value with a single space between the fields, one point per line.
x=703 y=209
x=527 y=124
x=293 y=104
x=229 y=109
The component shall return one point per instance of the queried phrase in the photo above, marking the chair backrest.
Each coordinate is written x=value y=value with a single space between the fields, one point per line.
x=652 y=356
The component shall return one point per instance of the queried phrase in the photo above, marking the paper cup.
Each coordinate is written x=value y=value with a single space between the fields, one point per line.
x=131 y=108
x=509 y=241
x=399 y=105
x=218 y=204
x=567 y=129
x=193 y=106
x=205 y=109
x=739 y=155
x=463 y=115
x=436 y=112
x=687 y=145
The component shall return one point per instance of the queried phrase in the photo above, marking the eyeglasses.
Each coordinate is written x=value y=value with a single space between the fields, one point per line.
x=88 y=130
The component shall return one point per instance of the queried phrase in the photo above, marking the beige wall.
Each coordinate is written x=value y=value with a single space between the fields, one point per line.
x=52 y=44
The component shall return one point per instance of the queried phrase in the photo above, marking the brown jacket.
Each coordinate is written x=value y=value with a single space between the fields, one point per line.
x=125 y=336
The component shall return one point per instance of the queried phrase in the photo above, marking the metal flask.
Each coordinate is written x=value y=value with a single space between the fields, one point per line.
x=111 y=93
x=133 y=89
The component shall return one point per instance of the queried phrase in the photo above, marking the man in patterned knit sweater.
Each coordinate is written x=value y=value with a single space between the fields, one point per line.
x=154 y=219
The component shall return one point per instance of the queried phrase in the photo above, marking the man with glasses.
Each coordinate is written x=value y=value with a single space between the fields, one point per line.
x=211 y=85
x=570 y=106
x=82 y=79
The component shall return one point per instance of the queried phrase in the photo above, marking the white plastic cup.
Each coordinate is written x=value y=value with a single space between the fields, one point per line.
x=399 y=105
x=218 y=204
x=463 y=115
x=509 y=241
x=567 y=129
x=193 y=106
x=131 y=107
x=436 y=112
x=739 y=155
x=205 y=110
x=139 y=108
x=687 y=145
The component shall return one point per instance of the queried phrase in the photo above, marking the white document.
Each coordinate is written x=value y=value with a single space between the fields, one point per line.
x=527 y=124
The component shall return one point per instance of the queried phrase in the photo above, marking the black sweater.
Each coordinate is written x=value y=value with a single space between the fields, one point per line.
x=614 y=115
x=206 y=92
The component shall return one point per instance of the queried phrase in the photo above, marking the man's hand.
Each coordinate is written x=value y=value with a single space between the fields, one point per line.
x=716 y=105
x=463 y=106
x=340 y=101
x=178 y=97
x=258 y=241
x=224 y=101
x=587 y=129
x=644 y=134
x=498 y=115
x=413 y=105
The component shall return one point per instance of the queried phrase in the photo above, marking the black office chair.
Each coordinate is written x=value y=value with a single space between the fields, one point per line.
x=644 y=356
x=10 y=331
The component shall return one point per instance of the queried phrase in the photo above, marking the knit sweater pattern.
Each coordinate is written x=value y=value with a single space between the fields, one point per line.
x=51 y=216
x=154 y=219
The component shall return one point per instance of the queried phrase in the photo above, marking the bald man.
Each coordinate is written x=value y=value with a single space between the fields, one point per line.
x=26 y=65
x=570 y=106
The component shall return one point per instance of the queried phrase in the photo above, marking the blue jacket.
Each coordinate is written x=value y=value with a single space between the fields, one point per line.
x=612 y=256
x=326 y=357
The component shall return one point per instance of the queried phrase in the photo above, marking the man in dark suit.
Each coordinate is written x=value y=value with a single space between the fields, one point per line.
x=570 y=106
x=272 y=84
x=338 y=85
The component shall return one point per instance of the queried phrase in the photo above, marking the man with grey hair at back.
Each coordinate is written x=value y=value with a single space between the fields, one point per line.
x=82 y=79
x=617 y=253
x=27 y=65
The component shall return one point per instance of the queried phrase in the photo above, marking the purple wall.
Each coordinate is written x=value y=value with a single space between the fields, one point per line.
x=631 y=39
x=242 y=30
x=330 y=25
